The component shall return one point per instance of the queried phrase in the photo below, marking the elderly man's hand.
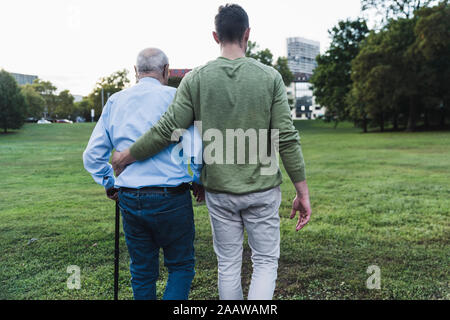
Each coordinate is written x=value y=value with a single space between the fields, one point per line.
x=112 y=193
x=120 y=160
x=198 y=191
x=302 y=204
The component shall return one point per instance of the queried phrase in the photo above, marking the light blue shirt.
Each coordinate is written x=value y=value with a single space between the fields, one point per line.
x=127 y=115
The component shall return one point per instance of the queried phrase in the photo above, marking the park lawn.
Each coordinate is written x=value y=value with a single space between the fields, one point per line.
x=378 y=199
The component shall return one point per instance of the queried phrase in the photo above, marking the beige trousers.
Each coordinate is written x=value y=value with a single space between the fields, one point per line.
x=258 y=214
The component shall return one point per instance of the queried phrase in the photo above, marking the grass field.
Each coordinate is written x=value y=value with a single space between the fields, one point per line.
x=378 y=199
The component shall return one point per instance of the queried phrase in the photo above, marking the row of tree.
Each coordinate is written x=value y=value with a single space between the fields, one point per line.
x=397 y=75
x=41 y=100
x=31 y=101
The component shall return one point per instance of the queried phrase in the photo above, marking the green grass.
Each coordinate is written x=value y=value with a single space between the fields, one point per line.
x=378 y=199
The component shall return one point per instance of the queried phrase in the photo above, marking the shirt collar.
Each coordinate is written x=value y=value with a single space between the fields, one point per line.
x=150 y=80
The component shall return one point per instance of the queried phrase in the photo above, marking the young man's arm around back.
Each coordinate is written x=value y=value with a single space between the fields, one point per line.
x=179 y=115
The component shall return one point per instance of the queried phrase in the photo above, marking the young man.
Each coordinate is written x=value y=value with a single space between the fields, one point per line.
x=236 y=97
x=154 y=194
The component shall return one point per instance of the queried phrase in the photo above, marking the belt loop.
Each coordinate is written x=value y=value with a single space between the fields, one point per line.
x=139 y=199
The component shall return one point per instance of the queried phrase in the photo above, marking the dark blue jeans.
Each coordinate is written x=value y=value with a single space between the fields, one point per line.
x=152 y=221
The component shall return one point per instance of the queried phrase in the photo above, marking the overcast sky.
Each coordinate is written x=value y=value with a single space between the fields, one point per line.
x=75 y=42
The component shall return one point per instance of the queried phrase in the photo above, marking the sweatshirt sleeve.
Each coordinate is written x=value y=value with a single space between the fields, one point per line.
x=289 y=140
x=179 y=115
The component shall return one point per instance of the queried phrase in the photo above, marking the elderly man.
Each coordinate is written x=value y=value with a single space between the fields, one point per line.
x=153 y=194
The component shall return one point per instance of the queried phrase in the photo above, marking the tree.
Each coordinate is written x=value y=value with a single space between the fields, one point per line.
x=56 y=105
x=83 y=108
x=110 y=85
x=373 y=90
x=65 y=106
x=263 y=56
x=385 y=77
x=331 y=80
x=34 y=101
x=282 y=67
x=251 y=49
x=390 y=9
x=409 y=71
x=12 y=103
x=402 y=71
x=48 y=91
x=433 y=44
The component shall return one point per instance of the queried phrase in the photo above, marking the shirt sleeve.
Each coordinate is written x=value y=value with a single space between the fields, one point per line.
x=179 y=115
x=289 y=139
x=98 y=151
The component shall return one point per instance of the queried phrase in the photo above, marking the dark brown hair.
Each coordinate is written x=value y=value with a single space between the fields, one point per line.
x=231 y=23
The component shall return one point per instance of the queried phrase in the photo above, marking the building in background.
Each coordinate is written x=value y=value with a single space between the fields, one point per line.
x=301 y=55
x=178 y=73
x=23 y=79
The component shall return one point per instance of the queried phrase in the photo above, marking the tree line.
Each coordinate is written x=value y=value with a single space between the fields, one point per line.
x=41 y=100
x=35 y=101
x=395 y=76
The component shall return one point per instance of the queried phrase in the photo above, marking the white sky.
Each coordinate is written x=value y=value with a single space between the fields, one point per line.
x=75 y=42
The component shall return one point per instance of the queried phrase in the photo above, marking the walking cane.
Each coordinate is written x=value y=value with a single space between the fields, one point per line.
x=116 y=253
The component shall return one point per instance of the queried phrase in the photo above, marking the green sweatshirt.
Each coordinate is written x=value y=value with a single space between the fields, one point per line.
x=231 y=94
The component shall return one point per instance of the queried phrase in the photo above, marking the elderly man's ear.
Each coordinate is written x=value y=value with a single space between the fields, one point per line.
x=166 y=74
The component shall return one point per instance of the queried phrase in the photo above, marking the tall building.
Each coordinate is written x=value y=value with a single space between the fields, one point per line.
x=301 y=54
x=23 y=79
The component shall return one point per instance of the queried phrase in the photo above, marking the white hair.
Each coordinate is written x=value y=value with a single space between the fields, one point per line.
x=151 y=60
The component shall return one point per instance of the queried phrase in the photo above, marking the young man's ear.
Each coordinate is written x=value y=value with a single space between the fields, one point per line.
x=216 y=37
x=245 y=38
x=246 y=35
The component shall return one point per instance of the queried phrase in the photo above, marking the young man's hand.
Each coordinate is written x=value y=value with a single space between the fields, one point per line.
x=112 y=193
x=198 y=191
x=302 y=205
x=120 y=160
